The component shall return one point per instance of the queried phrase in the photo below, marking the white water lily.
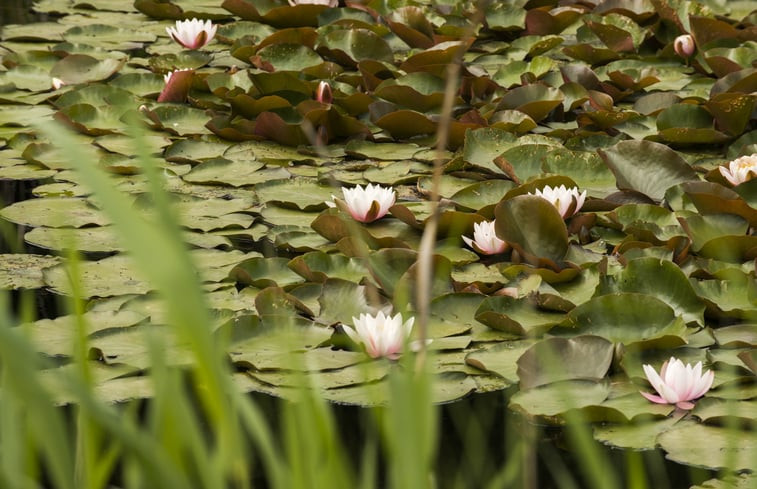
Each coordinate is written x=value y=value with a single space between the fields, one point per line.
x=485 y=240
x=677 y=383
x=382 y=335
x=740 y=170
x=192 y=34
x=369 y=203
x=562 y=198
x=328 y=3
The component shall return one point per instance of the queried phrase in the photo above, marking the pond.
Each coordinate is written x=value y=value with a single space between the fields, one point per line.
x=436 y=244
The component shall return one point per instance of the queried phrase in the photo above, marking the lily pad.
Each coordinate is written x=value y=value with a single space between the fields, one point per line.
x=646 y=167
x=558 y=359
x=24 y=271
x=533 y=226
x=626 y=318
x=725 y=448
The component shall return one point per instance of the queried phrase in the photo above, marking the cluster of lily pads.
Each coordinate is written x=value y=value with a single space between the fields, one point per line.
x=596 y=209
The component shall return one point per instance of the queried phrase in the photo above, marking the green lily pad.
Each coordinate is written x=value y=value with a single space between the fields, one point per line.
x=81 y=68
x=296 y=193
x=501 y=359
x=54 y=212
x=27 y=77
x=292 y=57
x=349 y=47
x=558 y=359
x=24 y=271
x=533 y=226
x=661 y=279
x=340 y=301
x=559 y=397
x=725 y=448
x=108 y=36
x=318 y=267
x=626 y=318
x=642 y=436
x=517 y=316
x=178 y=120
x=265 y=272
x=646 y=167
x=536 y=100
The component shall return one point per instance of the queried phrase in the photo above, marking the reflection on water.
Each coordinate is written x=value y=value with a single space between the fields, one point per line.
x=18 y=12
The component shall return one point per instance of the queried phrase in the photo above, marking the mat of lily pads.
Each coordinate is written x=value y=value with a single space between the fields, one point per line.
x=659 y=261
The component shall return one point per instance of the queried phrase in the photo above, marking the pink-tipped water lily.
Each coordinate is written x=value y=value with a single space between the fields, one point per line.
x=740 y=170
x=382 y=335
x=328 y=3
x=677 y=383
x=192 y=34
x=367 y=204
x=684 y=45
x=567 y=200
x=485 y=240
x=323 y=93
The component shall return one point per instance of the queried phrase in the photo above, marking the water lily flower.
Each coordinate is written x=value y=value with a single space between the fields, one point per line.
x=563 y=198
x=684 y=45
x=678 y=383
x=382 y=335
x=485 y=241
x=192 y=34
x=740 y=170
x=57 y=83
x=323 y=93
x=328 y=3
x=369 y=203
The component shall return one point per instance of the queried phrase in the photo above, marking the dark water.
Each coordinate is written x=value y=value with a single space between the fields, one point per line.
x=19 y=12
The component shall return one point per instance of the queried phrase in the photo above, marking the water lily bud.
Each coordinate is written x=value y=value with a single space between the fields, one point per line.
x=677 y=383
x=684 y=45
x=192 y=34
x=57 y=83
x=323 y=93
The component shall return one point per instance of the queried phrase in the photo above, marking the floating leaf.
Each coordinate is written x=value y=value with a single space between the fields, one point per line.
x=354 y=45
x=559 y=397
x=725 y=447
x=661 y=279
x=81 y=68
x=23 y=271
x=54 y=212
x=516 y=316
x=533 y=226
x=558 y=359
x=646 y=167
x=626 y=318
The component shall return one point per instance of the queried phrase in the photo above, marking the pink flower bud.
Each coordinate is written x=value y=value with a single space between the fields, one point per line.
x=323 y=93
x=684 y=45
